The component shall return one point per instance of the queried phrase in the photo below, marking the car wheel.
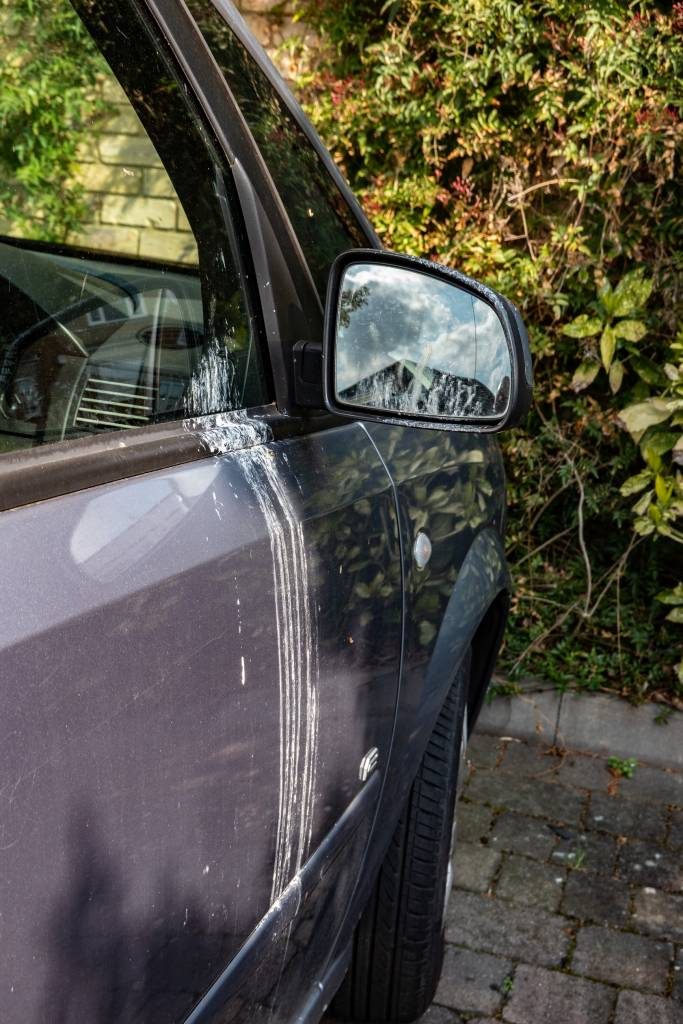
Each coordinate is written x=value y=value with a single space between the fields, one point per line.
x=398 y=944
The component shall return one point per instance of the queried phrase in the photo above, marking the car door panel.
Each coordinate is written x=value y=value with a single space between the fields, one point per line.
x=448 y=486
x=191 y=674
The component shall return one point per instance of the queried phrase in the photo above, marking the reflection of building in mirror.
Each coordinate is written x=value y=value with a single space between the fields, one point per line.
x=411 y=343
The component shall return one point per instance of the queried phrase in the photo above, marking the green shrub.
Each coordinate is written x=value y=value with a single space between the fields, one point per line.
x=48 y=105
x=537 y=145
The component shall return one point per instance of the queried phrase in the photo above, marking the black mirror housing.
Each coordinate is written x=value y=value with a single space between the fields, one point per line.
x=410 y=342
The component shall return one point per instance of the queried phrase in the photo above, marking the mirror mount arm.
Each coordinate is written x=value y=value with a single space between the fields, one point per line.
x=307 y=364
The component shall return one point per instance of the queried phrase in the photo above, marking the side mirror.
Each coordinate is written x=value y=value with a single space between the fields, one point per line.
x=410 y=342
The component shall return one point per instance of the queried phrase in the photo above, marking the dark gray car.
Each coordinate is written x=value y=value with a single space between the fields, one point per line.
x=253 y=572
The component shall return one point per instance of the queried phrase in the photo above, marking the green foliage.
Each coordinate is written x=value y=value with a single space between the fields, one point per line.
x=623 y=767
x=48 y=104
x=536 y=144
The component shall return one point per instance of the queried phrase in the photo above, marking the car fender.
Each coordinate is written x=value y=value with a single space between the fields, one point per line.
x=484 y=574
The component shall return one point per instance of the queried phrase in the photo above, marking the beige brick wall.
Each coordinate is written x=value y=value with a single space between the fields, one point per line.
x=272 y=22
x=132 y=206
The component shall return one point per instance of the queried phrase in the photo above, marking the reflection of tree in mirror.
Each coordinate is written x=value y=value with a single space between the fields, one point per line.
x=352 y=300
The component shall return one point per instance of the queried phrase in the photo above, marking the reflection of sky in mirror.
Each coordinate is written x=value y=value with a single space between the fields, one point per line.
x=407 y=315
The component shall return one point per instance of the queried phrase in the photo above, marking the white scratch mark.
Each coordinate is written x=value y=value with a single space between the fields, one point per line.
x=243 y=679
x=296 y=630
x=229 y=432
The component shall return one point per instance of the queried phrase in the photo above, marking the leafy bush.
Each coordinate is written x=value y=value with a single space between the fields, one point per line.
x=537 y=145
x=48 y=103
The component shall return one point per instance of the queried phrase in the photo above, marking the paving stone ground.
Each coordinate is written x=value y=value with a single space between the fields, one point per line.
x=568 y=899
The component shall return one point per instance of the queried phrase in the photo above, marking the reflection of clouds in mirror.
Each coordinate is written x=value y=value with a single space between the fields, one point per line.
x=409 y=342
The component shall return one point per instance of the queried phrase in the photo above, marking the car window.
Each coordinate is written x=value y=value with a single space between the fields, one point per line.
x=123 y=298
x=320 y=216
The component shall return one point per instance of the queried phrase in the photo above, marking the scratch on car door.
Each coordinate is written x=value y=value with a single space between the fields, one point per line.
x=296 y=630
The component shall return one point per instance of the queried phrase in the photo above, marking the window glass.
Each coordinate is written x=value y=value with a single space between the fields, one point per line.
x=320 y=216
x=122 y=296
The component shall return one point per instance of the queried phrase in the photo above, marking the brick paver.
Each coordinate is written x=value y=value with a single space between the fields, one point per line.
x=473 y=982
x=589 y=851
x=676 y=829
x=440 y=1015
x=475 y=866
x=653 y=784
x=610 y=955
x=526 y=881
x=647 y=864
x=568 y=901
x=474 y=822
x=519 y=834
x=536 y=797
x=592 y=898
x=482 y=923
x=636 y=1008
x=484 y=751
x=658 y=913
x=546 y=996
x=584 y=772
x=627 y=817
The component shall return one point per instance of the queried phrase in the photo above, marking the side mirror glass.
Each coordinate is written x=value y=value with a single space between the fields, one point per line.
x=408 y=340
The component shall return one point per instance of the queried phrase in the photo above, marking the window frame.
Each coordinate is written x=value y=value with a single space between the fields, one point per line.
x=268 y=224
x=256 y=55
x=244 y=34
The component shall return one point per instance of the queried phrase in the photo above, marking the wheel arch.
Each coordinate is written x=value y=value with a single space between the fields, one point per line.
x=474 y=619
x=485 y=647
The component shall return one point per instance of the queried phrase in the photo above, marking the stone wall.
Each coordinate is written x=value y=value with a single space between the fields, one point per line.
x=272 y=22
x=132 y=205
x=133 y=208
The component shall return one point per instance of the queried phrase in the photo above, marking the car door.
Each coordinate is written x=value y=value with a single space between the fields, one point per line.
x=449 y=486
x=202 y=595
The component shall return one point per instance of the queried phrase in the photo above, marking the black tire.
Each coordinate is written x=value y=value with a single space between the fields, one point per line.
x=398 y=944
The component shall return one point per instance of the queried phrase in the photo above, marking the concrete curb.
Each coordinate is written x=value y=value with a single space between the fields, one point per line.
x=594 y=723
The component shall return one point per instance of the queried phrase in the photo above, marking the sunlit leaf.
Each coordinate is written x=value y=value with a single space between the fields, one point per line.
x=662 y=489
x=427 y=632
x=585 y=374
x=637 y=418
x=631 y=293
x=636 y=483
x=616 y=375
x=606 y=296
x=642 y=505
x=675 y=615
x=659 y=443
x=608 y=344
x=582 y=326
x=673 y=596
x=630 y=330
x=677 y=453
